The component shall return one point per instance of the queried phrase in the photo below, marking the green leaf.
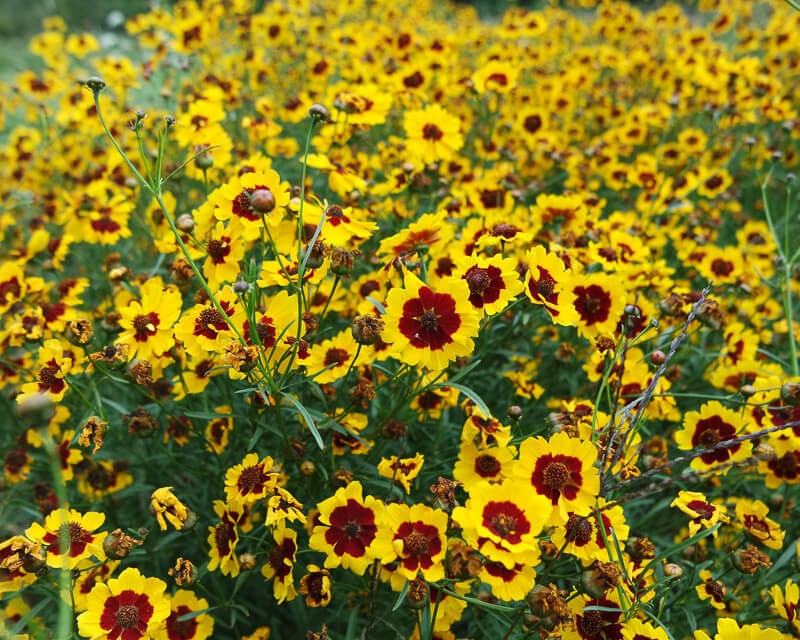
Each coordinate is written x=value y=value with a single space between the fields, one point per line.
x=467 y=392
x=308 y=419
x=401 y=597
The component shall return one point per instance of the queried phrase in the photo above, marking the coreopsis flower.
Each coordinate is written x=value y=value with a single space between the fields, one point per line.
x=752 y=514
x=599 y=300
x=712 y=590
x=273 y=324
x=251 y=480
x=594 y=618
x=103 y=478
x=182 y=623
x=635 y=629
x=499 y=76
x=402 y=471
x=729 y=629
x=224 y=253
x=508 y=583
x=787 y=602
x=582 y=537
x=346 y=527
x=246 y=200
x=430 y=231
x=218 y=430
x=563 y=470
x=167 y=508
x=432 y=134
x=224 y=537
x=430 y=328
x=706 y=429
x=262 y=633
x=493 y=281
x=414 y=537
x=15 y=285
x=332 y=359
x=130 y=607
x=316 y=586
x=203 y=328
x=503 y=520
x=87 y=580
x=69 y=525
x=19 y=558
x=54 y=365
x=546 y=284
x=703 y=514
x=282 y=505
x=280 y=561
x=490 y=463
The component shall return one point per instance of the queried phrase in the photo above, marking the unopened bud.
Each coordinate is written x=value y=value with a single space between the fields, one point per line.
x=262 y=200
x=319 y=113
x=185 y=223
x=658 y=357
x=96 y=84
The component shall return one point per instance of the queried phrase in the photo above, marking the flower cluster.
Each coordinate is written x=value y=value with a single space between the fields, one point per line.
x=377 y=318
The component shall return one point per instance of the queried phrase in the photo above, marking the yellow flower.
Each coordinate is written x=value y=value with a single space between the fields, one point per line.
x=68 y=525
x=432 y=134
x=132 y=607
x=430 y=328
x=166 y=507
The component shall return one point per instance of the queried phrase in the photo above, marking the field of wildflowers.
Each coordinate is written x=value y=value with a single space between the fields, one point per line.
x=369 y=319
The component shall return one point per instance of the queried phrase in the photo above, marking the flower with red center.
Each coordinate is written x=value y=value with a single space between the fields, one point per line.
x=635 y=629
x=249 y=199
x=251 y=480
x=87 y=580
x=714 y=429
x=787 y=603
x=581 y=536
x=430 y=328
x=316 y=586
x=499 y=76
x=280 y=561
x=596 y=619
x=503 y=520
x=599 y=301
x=131 y=607
x=414 y=537
x=224 y=537
x=74 y=528
x=493 y=282
x=430 y=231
x=54 y=365
x=184 y=621
x=401 y=471
x=712 y=590
x=224 y=252
x=703 y=514
x=489 y=463
x=508 y=583
x=346 y=527
x=561 y=469
x=332 y=359
x=545 y=284
x=218 y=430
x=147 y=323
x=432 y=134
x=203 y=328
x=752 y=514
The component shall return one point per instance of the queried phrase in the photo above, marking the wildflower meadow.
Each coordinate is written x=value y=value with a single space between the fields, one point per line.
x=369 y=319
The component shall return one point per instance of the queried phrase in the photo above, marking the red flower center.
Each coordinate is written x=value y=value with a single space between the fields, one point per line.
x=352 y=529
x=506 y=520
x=181 y=629
x=554 y=476
x=487 y=466
x=432 y=132
x=430 y=320
x=145 y=325
x=593 y=303
x=252 y=480
x=127 y=616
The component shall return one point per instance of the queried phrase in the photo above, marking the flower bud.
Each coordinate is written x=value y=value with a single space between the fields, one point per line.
x=95 y=83
x=262 y=200
x=672 y=570
x=790 y=393
x=185 y=223
x=319 y=113
x=658 y=357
